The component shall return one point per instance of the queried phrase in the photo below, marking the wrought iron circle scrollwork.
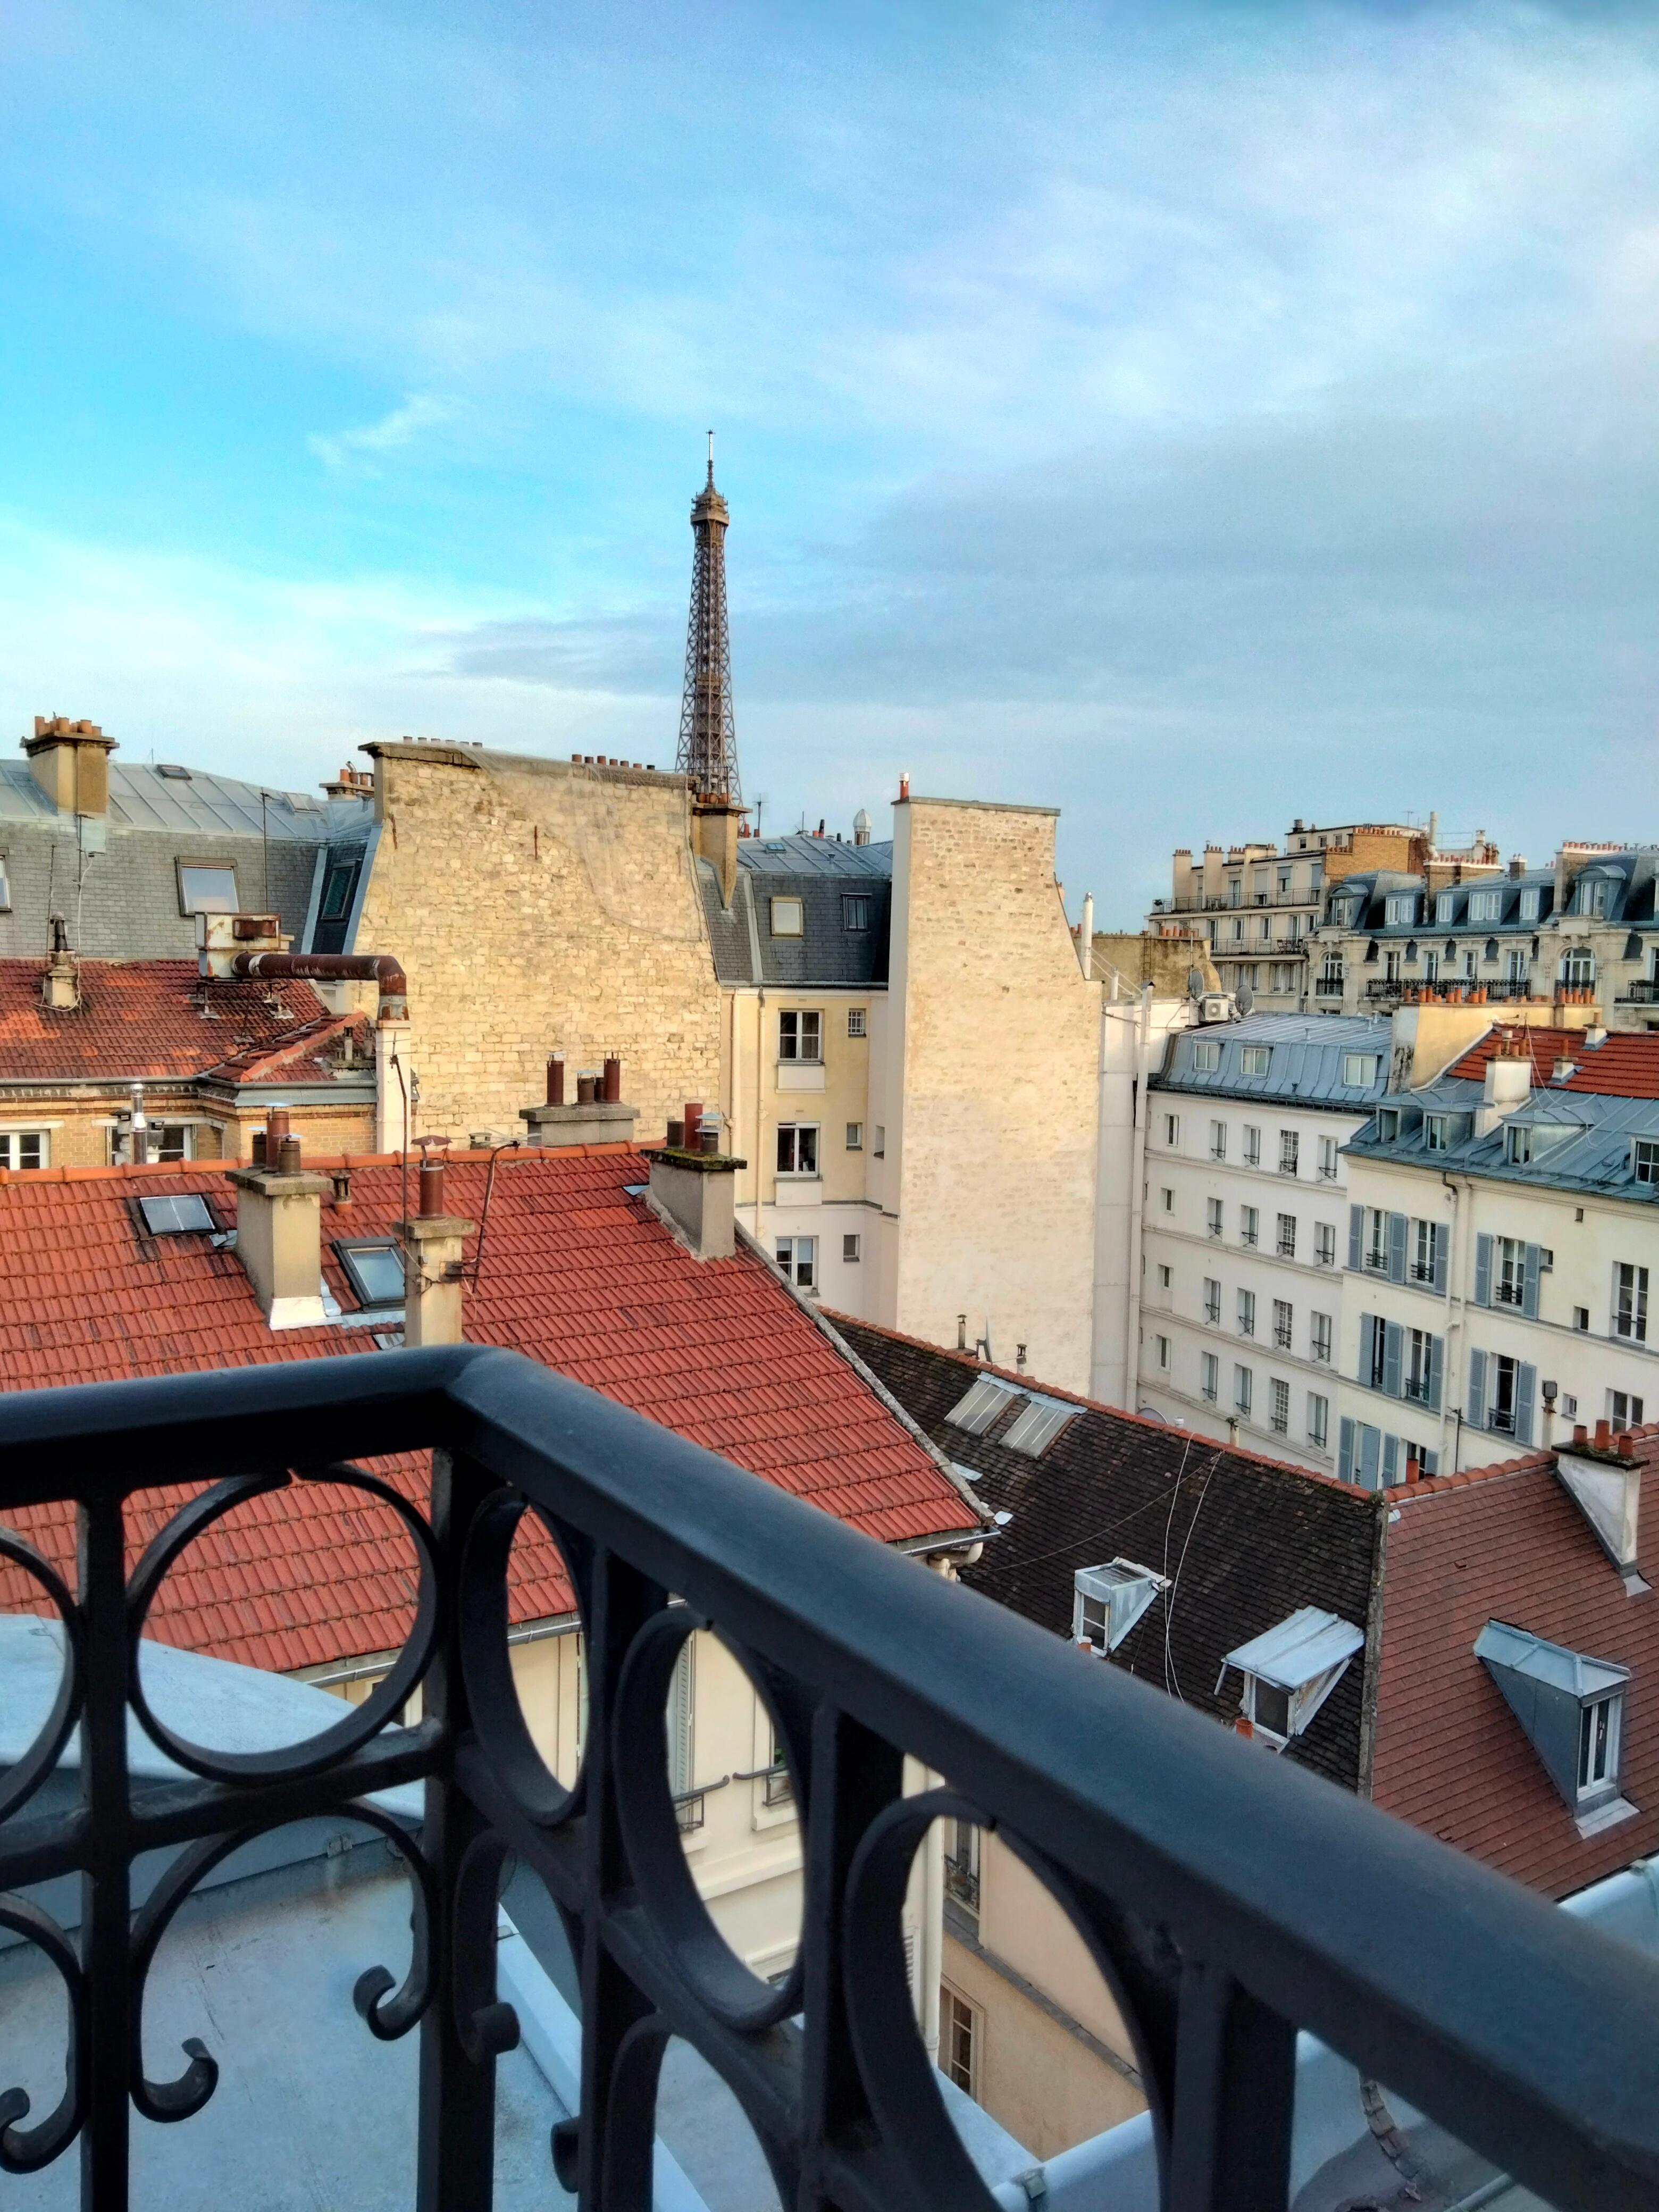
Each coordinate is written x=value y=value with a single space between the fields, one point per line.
x=359 y=1722
x=39 y=1760
x=487 y=1662
x=25 y=2150
x=651 y=1833
x=179 y=2100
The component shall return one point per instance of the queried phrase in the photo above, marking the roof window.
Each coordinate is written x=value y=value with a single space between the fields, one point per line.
x=374 y=1270
x=186 y=1215
x=1486 y=906
x=977 y=1412
x=1108 y=1600
x=172 y=769
x=1207 y=1058
x=1359 y=1070
x=788 y=917
x=1255 y=1059
x=855 y=912
x=1039 y=1422
x=1571 y=1709
x=208 y=887
x=1291 y=1670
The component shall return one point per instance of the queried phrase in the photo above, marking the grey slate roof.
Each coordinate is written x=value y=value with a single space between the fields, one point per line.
x=801 y=856
x=824 y=875
x=1305 y=1068
x=1597 y=1160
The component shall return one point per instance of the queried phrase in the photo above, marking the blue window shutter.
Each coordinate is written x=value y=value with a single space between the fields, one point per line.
x=1391 y=1470
x=1477 y=1405
x=1356 y=1232
x=1345 y=1451
x=1437 y=1371
x=1529 y=1284
x=1526 y=1390
x=1483 y=1271
x=1369 y=1325
x=1431 y=1462
x=1441 y=1241
x=1391 y=1350
x=1371 y=1453
x=1396 y=1248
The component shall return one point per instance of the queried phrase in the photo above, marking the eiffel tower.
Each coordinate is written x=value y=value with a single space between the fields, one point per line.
x=708 y=734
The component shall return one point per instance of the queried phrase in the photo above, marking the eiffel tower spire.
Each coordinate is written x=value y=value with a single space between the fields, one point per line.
x=709 y=735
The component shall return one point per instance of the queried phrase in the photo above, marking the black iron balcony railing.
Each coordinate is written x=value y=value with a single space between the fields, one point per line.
x=1228 y=1897
x=1640 y=991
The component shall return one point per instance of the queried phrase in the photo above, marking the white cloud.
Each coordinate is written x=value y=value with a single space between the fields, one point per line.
x=346 y=449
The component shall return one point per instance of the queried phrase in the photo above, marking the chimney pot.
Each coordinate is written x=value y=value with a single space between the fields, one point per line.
x=1626 y=1445
x=342 y=1187
x=693 y=1125
x=676 y=1138
x=288 y=1157
x=612 y=1092
x=555 y=1079
x=432 y=1186
x=1580 y=1433
x=256 y=1148
x=275 y=1129
x=586 y=1089
x=1603 y=1434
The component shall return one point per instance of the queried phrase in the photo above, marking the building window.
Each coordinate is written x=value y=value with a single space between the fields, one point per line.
x=1279 y=1401
x=1509 y=1275
x=1207 y=1058
x=1212 y=1216
x=5 y=883
x=1212 y=1300
x=1645 y=1159
x=1283 y=1318
x=1624 y=1411
x=1319 y=1419
x=1319 y=1337
x=1374 y=1251
x=1243 y=1388
x=1209 y=1374
x=1486 y=906
x=163 y=1140
x=1255 y=1059
x=1527 y=908
x=1284 y=1245
x=1290 y=1151
x=958 y=2038
x=375 y=1272
x=1330 y=978
x=798 y=1148
x=1400 y=909
x=852 y=1249
x=788 y=917
x=855 y=1022
x=1580 y=1320
x=1252 y=1146
x=1161 y=1348
x=1598 y=1744
x=1246 y=1313
x=1172 y=1129
x=1391 y=967
x=207 y=887
x=1373 y=1354
x=855 y=912
x=1218 y=1146
x=800 y=1035
x=1427 y=1238
x=1630 y=1303
x=1325 y=1243
x=1516 y=966
x=1578 y=968
x=962 y=1863
x=1249 y=1222
x=1166 y=1198
x=1592 y=896
x=1505 y=1379
x=1165 y=1277
x=338 y=886
x=25 y=1148
x=855 y=1136
x=1417 y=1379
x=798 y=1260
x=1328 y=1159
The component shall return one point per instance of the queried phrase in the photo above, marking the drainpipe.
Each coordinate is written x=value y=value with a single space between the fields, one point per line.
x=1137 y=1205
x=1451 y=1398
x=1085 y=947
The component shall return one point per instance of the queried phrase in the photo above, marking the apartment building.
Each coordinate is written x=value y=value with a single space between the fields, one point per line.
x=1244 y=1212
x=1258 y=905
x=1500 y=1251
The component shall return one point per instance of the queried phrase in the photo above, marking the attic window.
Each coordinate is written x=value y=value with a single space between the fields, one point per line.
x=1291 y=1670
x=172 y=769
x=337 y=887
x=788 y=917
x=184 y=1216
x=375 y=1273
x=1571 y=1709
x=1107 y=1601
x=855 y=912
x=207 y=887
x=1388 y=1124
x=1207 y=1058
x=1037 y=1425
x=5 y=886
x=977 y=1412
x=1255 y=1059
x=1645 y=1159
x=1358 y=1070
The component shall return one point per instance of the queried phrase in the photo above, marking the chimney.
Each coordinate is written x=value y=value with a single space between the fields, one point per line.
x=860 y=828
x=714 y=839
x=432 y=1244
x=1517 y=865
x=597 y=1116
x=60 y=984
x=1604 y=1481
x=70 y=764
x=1507 y=1081
x=279 y=1235
x=693 y=1188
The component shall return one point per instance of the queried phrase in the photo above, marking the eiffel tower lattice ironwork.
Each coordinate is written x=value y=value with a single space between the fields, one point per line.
x=708 y=734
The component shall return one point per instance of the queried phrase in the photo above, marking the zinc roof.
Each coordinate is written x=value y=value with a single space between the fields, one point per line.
x=141 y=797
x=1306 y=1066
x=799 y=855
x=1299 y=1649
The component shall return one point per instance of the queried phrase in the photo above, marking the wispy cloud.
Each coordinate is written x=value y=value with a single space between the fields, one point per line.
x=361 y=449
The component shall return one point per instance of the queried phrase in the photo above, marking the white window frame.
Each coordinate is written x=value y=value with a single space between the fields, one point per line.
x=1252 y=1145
x=1212 y=1221
x=1212 y=1300
x=1319 y=1419
x=1243 y=1391
x=1278 y=1406
x=1324 y=1243
x=1599 y=1749
x=800 y=1036
x=1209 y=1378
x=797 y=1259
x=787 y=915
x=1630 y=1302
x=855 y=1022
x=1321 y=1331
x=796 y=1132
x=1172 y=1130
x=1249 y=1227
x=12 y=1139
x=1328 y=1159
x=855 y=1137
x=1256 y=1059
x=1487 y=905
x=1218 y=1144
x=1246 y=1312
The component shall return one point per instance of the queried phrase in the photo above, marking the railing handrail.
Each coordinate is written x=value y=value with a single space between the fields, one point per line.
x=1528 y=2035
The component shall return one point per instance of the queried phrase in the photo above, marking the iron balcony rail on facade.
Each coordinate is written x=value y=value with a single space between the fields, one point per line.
x=1640 y=991
x=1228 y=1897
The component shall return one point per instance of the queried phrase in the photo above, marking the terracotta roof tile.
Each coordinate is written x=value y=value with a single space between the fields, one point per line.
x=1625 y=1065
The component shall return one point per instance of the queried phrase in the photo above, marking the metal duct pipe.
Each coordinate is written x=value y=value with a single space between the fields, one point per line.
x=333 y=968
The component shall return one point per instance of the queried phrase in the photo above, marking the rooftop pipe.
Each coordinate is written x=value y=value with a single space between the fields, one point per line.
x=333 y=968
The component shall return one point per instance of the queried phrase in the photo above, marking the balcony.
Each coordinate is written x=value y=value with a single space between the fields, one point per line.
x=1229 y=1897
x=1640 y=991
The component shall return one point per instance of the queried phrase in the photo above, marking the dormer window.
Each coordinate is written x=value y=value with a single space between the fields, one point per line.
x=1527 y=908
x=1591 y=896
x=1255 y=1059
x=1108 y=1600
x=978 y=1409
x=1486 y=906
x=1517 y=1145
x=855 y=912
x=1289 y=1671
x=1400 y=909
x=1358 y=1070
x=1207 y=1058
x=1645 y=1159
x=1388 y=1124
x=1571 y=1709
x=1444 y=905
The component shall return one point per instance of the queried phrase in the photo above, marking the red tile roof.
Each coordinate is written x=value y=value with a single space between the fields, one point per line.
x=1507 y=1543
x=145 y=1018
x=576 y=1273
x=1625 y=1065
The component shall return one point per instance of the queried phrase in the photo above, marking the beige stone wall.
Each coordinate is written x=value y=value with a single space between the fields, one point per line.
x=1145 y=957
x=77 y=1129
x=990 y=1067
x=537 y=904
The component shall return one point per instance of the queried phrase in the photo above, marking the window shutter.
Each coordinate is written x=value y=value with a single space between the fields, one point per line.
x=1476 y=1413
x=1437 y=1371
x=1530 y=1285
x=1526 y=1390
x=1391 y=1347
x=1442 y=1240
x=1371 y=1453
x=1396 y=1248
x=1345 y=1451
x=1391 y=1461
x=1356 y=1233
x=680 y=1697
x=1368 y=1323
x=1483 y=1271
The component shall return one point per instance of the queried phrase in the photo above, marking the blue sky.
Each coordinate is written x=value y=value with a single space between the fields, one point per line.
x=1187 y=416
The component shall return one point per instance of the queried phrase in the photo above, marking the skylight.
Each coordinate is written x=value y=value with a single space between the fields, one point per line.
x=1037 y=1426
x=183 y=1216
x=375 y=1272
x=977 y=1412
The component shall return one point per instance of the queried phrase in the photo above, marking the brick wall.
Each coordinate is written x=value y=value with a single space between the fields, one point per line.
x=537 y=904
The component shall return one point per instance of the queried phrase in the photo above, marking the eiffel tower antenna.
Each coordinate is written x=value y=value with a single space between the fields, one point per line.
x=708 y=736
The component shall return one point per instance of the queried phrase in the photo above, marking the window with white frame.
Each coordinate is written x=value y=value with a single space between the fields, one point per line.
x=1505 y=1374
x=1219 y=1143
x=1430 y=967
x=798 y=1260
x=1212 y=1300
x=855 y=912
x=1578 y=968
x=878 y=1149
x=1244 y=1390
x=1417 y=1369
x=1427 y=1243
x=1319 y=1419
x=1255 y=1059
x=1645 y=1159
x=25 y=1148
x=1172 y=1129
x=1319 y=1337
x=1207 y=1058
x=1624 y=1411
x=1212 y=1216
x=1249 y=1223
x=1358 y=1070
x=1508 y=1277
x=958 y=2040
x=1209 y=1375
x=1528 y=907
x=1284 y=1318
x=1444 y=905
x=1252 y=1146
x=1592 y=894
x=1486 y=906
x=1374 y=1249
x=1598 y=1743
x=1630 y=1302
x=800 y=1034
x=1285 y=1242
x=5 y=883
x=1165 y=1279
x=1517 y=965
x=856 y=1021
x=855 y=1136
x=1246 y=1313
x=1290 y=1151
x=788 y=917
x=208 y=887
x=1279 y=1406
x=1328 y=1159
x=1330 y=975
x=798 y=1148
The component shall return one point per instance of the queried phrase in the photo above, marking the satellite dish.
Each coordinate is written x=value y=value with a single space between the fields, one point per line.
x=1152 y=1413
x=1246 y=997
x=1195 y=983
